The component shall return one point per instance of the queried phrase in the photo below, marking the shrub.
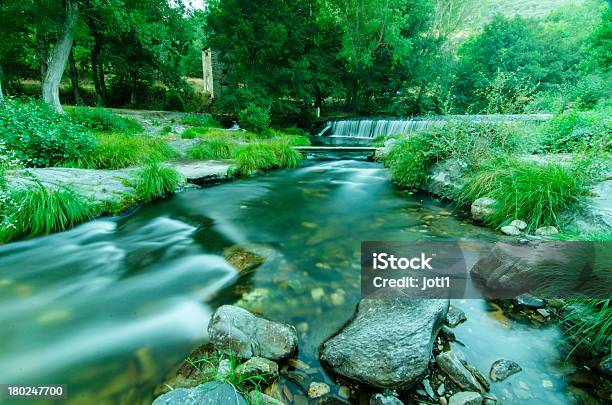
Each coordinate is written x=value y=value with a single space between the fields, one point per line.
x=155 y=181
x=39 y=211
x=100 y=119
x=200 y=120
x=119 y=150
x=534 y=192
x=191 y=133
x=39 y=136
x=212 y=149
x=573 y=131
x=254 y=118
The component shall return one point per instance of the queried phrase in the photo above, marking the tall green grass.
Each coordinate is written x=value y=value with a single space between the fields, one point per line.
x=200 y=120
x=103 y=120
x=38 y=211
x=589 y=324
x=212 y=149
x=265 y=156
x=119 y=150
x=533 y=192
x=155 y=181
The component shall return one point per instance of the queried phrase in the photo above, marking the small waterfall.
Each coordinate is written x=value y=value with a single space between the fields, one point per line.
x=370 y=128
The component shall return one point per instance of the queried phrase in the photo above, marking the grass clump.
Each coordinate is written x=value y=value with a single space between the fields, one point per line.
x=155 y=181
x=100 y=119
x=266 y=155
x=119 y=150
x=191 y=133
x=200 y=120
x=588 y=324
x=38 y=211
x=212 y=149
x=533 y=192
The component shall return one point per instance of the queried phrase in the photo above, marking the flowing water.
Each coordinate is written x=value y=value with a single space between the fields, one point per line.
x=112 y=306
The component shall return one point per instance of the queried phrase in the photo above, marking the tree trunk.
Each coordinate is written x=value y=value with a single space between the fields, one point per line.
x=59 y=56
x=97 y=73
x=74 y=78
x=43 y=53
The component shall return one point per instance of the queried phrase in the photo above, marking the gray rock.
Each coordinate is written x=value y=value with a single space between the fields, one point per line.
x=224 y=369
x=429 y=389
x=546 y=231
x=455 y=316
x=502 y=369
x=510 y=230
x=236 y=330
x=477 y=374
x=388 y=344
x=518 y=224
x=512 y=269
x=211 y=393
x=318 y=389
x=482 y=207
x=445 y=178
x=452 y=366
x=465 y=398
x=447 y=333
x=528 y=301
x=260 y=398
x=258 y=366
x=382 y=399
x=543 y=312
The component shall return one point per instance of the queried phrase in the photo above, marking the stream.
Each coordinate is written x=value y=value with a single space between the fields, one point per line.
x=113 y=306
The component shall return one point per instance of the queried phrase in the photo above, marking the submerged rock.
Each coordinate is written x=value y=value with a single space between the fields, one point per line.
x=455 y=316
x=236 y=330
x=452 y=366
x=383 y=399
x=502 y=369
x=388 y=344
x=211 y=393
x=465 y=398
x=482 y=207
x=242 y=259
x=318 y=389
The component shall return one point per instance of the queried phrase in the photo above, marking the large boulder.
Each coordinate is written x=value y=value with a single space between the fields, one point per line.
x=237 y=331
x=211 y=393
x=388 y=344
x=446 y=177
x=511 y=269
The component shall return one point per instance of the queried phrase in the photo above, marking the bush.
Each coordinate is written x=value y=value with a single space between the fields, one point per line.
x=100 y=119
x=39 y=136
x=573 y=131
x=533 y=192
x=191 y=133
x=155 y=181
x=119 y=150
x=200 y=120
x=254 y=118
x=212 y=149
x=38 y=211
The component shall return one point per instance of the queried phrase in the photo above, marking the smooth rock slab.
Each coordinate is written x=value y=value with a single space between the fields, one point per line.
x=452 y=366
x=502 y=369
x=211 y=393
x=234 y=330
x=388 y=344
x=465 y=398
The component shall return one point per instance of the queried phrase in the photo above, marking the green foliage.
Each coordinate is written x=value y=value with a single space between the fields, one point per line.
x=119 y=150
x=212 y=149
x=200 y=120
x=574 y=131
x=38 y=211
x=39 y=136
x=254 y=118
x=191 y=133
x=294 y=140
x=266 y=155
x=156 y=181
x=536 y=193
x=100 y=119
x=589 y=324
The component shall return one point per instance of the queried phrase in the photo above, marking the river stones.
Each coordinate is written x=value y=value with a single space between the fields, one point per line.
x=234 y=330
x=528 y=301
x=452 y=366
x=465 y=398
x=259 y=398
x=482 y=207
x=510 y=230
x=502 y=369
x=455 y=316
x=518 y=224
x=242 y=259
x=546 y=231
x=258 y=366
x=318 y=389
x=445 y=178
x=388 y=344
x=384 y=399
x=211 y=393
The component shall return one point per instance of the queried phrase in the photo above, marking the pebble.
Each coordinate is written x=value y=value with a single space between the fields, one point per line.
x=428 y=389
x=441 y=390
x=336 y=298
x=547 y=384
x=502 y=369
x=518 y=224
x=344 y=392
x=546 y=231
x=529 y=301
x=543 y=312
x=510 y=230
x=317 y=294
x=317 y=389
